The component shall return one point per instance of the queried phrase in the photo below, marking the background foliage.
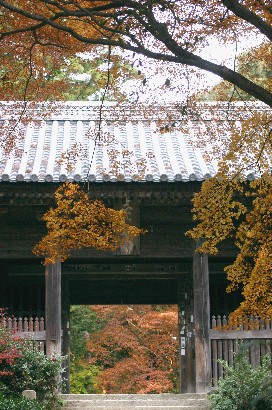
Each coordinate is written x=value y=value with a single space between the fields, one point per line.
x=128 y=349
x=84 y=322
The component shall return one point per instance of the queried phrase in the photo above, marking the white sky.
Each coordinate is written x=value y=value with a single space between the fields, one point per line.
x=183 y=82
x=216 y=52
x=226 y=54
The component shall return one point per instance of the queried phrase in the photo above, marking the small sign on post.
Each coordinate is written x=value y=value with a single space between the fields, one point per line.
x=182 y=346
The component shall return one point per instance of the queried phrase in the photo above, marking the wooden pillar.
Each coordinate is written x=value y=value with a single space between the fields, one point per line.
x=202 y=322
x=53 y=308
x=186 y=334
x=66 y=335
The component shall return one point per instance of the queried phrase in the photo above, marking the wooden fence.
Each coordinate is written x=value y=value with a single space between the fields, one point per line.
x=226 y=341
x=27 y=328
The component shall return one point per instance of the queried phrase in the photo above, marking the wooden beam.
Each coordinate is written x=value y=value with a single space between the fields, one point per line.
x=53 y=308
x=40 y=335
x=202 y=322
x=240 y=334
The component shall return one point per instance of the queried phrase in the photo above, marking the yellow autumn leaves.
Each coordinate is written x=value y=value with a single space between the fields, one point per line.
x=236 y=208
x=253 y=265
x=216 y=209
x=78 y=222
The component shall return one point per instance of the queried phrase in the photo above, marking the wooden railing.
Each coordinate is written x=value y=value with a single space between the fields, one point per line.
x=27 y=328
x=225 y=341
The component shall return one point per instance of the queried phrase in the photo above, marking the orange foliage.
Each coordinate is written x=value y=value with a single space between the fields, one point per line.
x=170 y=31
x=137 y=348
x=79 y=222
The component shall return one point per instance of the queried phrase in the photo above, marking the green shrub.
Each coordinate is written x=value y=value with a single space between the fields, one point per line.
x=13 y=402
x=244 y=387
x=83 y=379
x=24 y=367
x=33 y=370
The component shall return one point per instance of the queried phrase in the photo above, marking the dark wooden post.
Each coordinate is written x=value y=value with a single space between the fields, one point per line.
x=202 y=322
x=186 y=334
x=66 y=335
x=53 y=308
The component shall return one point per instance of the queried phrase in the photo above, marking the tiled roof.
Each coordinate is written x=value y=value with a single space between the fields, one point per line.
x=69 y=144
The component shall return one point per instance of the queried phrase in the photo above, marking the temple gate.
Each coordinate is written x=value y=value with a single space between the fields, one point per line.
x=161 y=267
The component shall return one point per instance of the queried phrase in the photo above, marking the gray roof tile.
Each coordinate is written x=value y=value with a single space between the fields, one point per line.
x=62 y=146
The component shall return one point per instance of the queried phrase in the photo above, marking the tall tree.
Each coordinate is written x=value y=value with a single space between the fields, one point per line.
x=242 y=210
x=171 y=31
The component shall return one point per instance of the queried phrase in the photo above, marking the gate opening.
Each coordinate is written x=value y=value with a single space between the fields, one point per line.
x=124 y=349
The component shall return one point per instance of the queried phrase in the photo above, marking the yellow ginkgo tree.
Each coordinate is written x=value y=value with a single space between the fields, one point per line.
x=235 y=208
x=79 y=222
x=236 y=204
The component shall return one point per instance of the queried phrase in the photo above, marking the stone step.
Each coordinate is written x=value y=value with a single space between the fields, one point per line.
x=135 y=401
